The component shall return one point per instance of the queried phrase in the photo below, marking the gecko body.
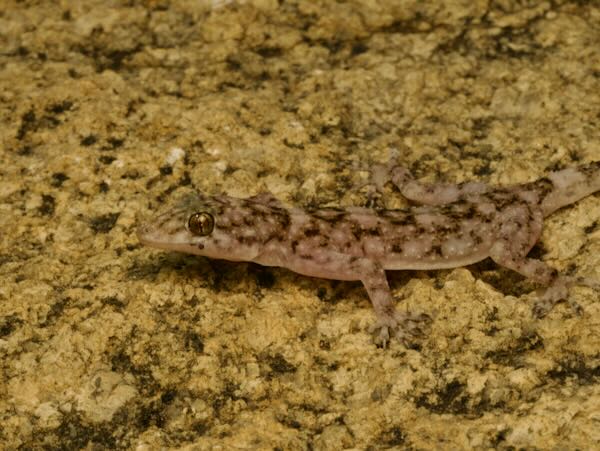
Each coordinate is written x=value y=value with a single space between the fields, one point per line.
x=455 y=225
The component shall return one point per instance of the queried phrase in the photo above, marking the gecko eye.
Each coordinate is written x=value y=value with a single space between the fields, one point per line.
x=201 y=224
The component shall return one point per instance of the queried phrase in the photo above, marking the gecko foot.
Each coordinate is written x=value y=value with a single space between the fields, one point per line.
x=405 y=327
x=559 y=291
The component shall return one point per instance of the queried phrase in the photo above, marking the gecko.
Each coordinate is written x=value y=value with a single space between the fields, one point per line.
x=446 y=226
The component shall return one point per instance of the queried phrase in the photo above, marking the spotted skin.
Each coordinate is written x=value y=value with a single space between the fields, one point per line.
x=454 y=225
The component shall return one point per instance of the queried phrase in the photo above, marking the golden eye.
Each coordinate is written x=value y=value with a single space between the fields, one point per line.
x=201 y=224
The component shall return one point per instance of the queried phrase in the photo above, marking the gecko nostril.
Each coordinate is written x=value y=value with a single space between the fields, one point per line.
x=143 y=230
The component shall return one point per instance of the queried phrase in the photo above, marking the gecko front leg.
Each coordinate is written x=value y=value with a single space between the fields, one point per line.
x=403 y=324
x=335 y=265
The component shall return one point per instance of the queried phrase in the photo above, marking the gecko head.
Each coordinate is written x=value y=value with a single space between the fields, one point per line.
x=190 y=226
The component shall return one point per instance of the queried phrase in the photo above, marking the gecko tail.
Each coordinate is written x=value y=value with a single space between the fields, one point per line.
x=564 y=187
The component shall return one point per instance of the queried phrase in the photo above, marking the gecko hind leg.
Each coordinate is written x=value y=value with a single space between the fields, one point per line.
x=556 y=285
x=423 y=193
x=559 y=291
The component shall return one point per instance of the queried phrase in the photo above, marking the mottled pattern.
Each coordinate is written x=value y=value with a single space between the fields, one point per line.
x=455 y=225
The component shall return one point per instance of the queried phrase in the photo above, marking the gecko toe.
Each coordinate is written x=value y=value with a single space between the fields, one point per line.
x=405 y=327
x=558 y=292
x=541 y=309
x=587 y=282
x=578 y=309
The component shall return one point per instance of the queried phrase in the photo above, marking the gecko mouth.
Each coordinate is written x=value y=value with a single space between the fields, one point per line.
x=147 y=236
x=152 y=236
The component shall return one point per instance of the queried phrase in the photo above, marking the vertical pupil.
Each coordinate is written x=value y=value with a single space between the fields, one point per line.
x=201 y=224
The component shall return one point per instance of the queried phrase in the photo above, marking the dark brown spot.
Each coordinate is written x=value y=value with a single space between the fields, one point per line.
x=331 y=215
x=451 y=227
x=435 y=251
x=374 y=231
x=324 y=241
x=357 y=231
x=48 y=205
x=88 y=140
x=477 y=239
x=311 y=232
x=115 y=143
x=104 y=223
x=398 y=217
x=589 y=169
x=166 y=170
x=542 y=186
x=246 y=239
x=396 y=248
x=58 y=178
x=284 y=219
